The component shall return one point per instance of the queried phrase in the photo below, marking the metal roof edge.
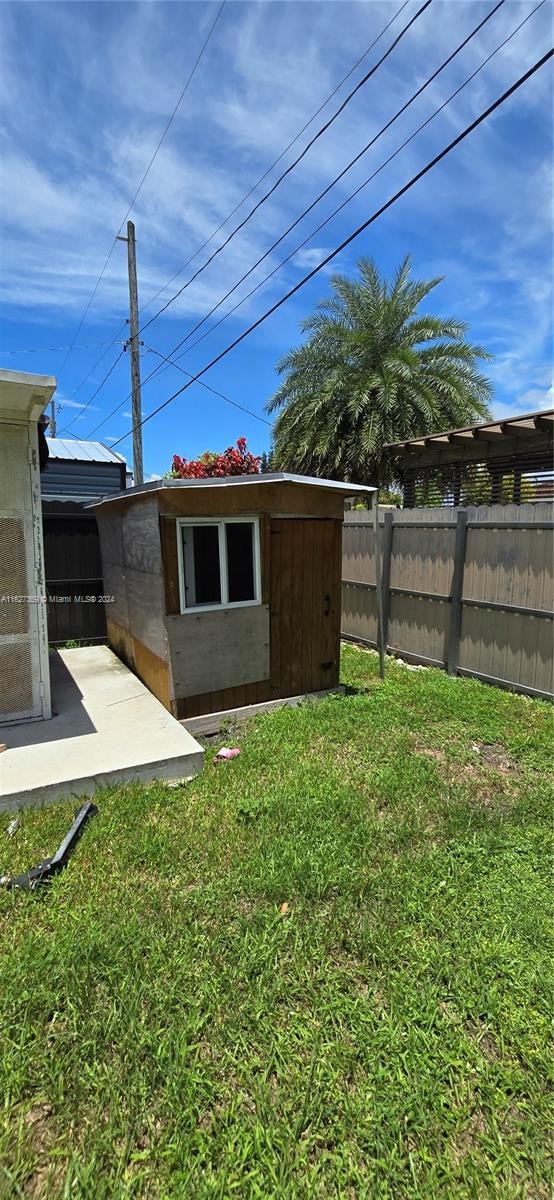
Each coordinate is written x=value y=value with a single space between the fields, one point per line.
x=157 y=485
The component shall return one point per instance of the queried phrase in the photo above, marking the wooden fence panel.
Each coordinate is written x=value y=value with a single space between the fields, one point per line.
x=472 y=589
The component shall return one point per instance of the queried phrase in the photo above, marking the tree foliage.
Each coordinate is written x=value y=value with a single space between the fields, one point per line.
x=373 y=370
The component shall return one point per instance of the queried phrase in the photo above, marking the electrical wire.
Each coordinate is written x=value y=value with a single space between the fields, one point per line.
x=338 y=177
x=94 y=394
x=276 y=160
x=214 y=391
x=200 y=55
x=92 y=369
x=196 y=64
x=340 y=207
x=53 y=349
x=244 y=198
x=158 y=370
x=323 y=129
x=348 y=240
x=348 y=199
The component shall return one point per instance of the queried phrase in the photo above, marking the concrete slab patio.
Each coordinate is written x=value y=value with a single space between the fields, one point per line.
x=106 y=727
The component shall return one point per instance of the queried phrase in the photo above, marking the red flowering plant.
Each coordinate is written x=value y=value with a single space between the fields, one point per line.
x=235 y=460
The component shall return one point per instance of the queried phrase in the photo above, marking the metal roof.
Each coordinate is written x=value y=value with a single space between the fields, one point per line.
x=347 y=489
x=527 y=423
x=73 y=450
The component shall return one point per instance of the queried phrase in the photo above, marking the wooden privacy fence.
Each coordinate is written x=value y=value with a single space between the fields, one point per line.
x=470 y=590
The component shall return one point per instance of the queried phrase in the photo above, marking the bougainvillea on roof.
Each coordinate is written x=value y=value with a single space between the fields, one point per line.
x=235 y=460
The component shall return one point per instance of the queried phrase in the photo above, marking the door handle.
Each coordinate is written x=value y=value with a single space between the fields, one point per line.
x=327 y=608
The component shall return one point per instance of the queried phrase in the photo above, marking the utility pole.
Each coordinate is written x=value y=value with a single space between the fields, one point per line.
x=52 y=426
x=133 y=346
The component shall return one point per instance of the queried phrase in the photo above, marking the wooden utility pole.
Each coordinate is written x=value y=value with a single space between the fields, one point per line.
x=134 y=352
x=52 y=426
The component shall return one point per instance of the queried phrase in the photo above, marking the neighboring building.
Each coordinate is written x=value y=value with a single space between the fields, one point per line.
x=501 y=462
x=226 y=591
x=76 y=473
x=24 y=673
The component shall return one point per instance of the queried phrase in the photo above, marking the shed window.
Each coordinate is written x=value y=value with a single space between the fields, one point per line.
x=219 y=562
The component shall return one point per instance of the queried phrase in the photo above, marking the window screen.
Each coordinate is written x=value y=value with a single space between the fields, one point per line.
x=240 y=560
x=220 y=563
x=201 y=564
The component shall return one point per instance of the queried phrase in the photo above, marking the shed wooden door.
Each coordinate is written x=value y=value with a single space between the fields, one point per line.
x=305 y=604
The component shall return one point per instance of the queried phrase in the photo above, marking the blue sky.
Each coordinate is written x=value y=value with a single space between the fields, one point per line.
x=87 y=90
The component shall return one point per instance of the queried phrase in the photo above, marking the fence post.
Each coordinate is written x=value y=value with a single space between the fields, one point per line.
x=378 y=586
x=456 y=593
x=385 y=576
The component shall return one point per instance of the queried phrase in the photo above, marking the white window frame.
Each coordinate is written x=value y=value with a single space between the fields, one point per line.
x=220 y=522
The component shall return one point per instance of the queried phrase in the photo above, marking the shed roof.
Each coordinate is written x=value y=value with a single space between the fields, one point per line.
x=346 y=489
x=74 y=450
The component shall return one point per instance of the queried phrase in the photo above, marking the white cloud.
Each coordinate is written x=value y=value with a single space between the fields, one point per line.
x=267 y=70
x=534 y=400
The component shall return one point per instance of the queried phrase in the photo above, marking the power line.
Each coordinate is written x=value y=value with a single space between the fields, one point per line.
x=356 y=233
x=278 y=159
x=196 y=64
x=244 y=198
x=292 y=165
x=214 y=391
x=142 y=181
x=336 y=180
x=94 y=394
x=95 y=365
x=52 y=349
x=158 y=370
x=348 y=199
x=339 y=208
x=323 y=129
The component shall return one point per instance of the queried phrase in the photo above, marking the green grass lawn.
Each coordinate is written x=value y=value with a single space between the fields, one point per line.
x=319 y=970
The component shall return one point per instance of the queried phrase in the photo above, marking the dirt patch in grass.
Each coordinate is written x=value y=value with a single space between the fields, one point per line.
x=495 y=756
x=438 y=755
x=40 y=1136
x=463 y=1144
x=479 y=1033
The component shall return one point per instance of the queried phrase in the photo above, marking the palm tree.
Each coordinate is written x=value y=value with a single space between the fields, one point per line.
x=372 y=371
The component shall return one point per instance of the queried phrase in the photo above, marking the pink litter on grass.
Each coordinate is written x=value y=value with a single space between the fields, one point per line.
x=226 y=752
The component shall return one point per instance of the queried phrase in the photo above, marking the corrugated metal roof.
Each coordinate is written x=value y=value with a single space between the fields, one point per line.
x=72 y=450
x=347 y=489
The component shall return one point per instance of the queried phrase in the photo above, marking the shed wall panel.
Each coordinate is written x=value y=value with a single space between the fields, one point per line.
x=146 y=601
x=111 y=535
x=218 y=650
x=284 y=499
x=141 y=537
x=153 y=671
x=115 y=586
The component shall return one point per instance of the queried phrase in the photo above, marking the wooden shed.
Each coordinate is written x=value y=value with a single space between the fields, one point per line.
x=226 y=592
